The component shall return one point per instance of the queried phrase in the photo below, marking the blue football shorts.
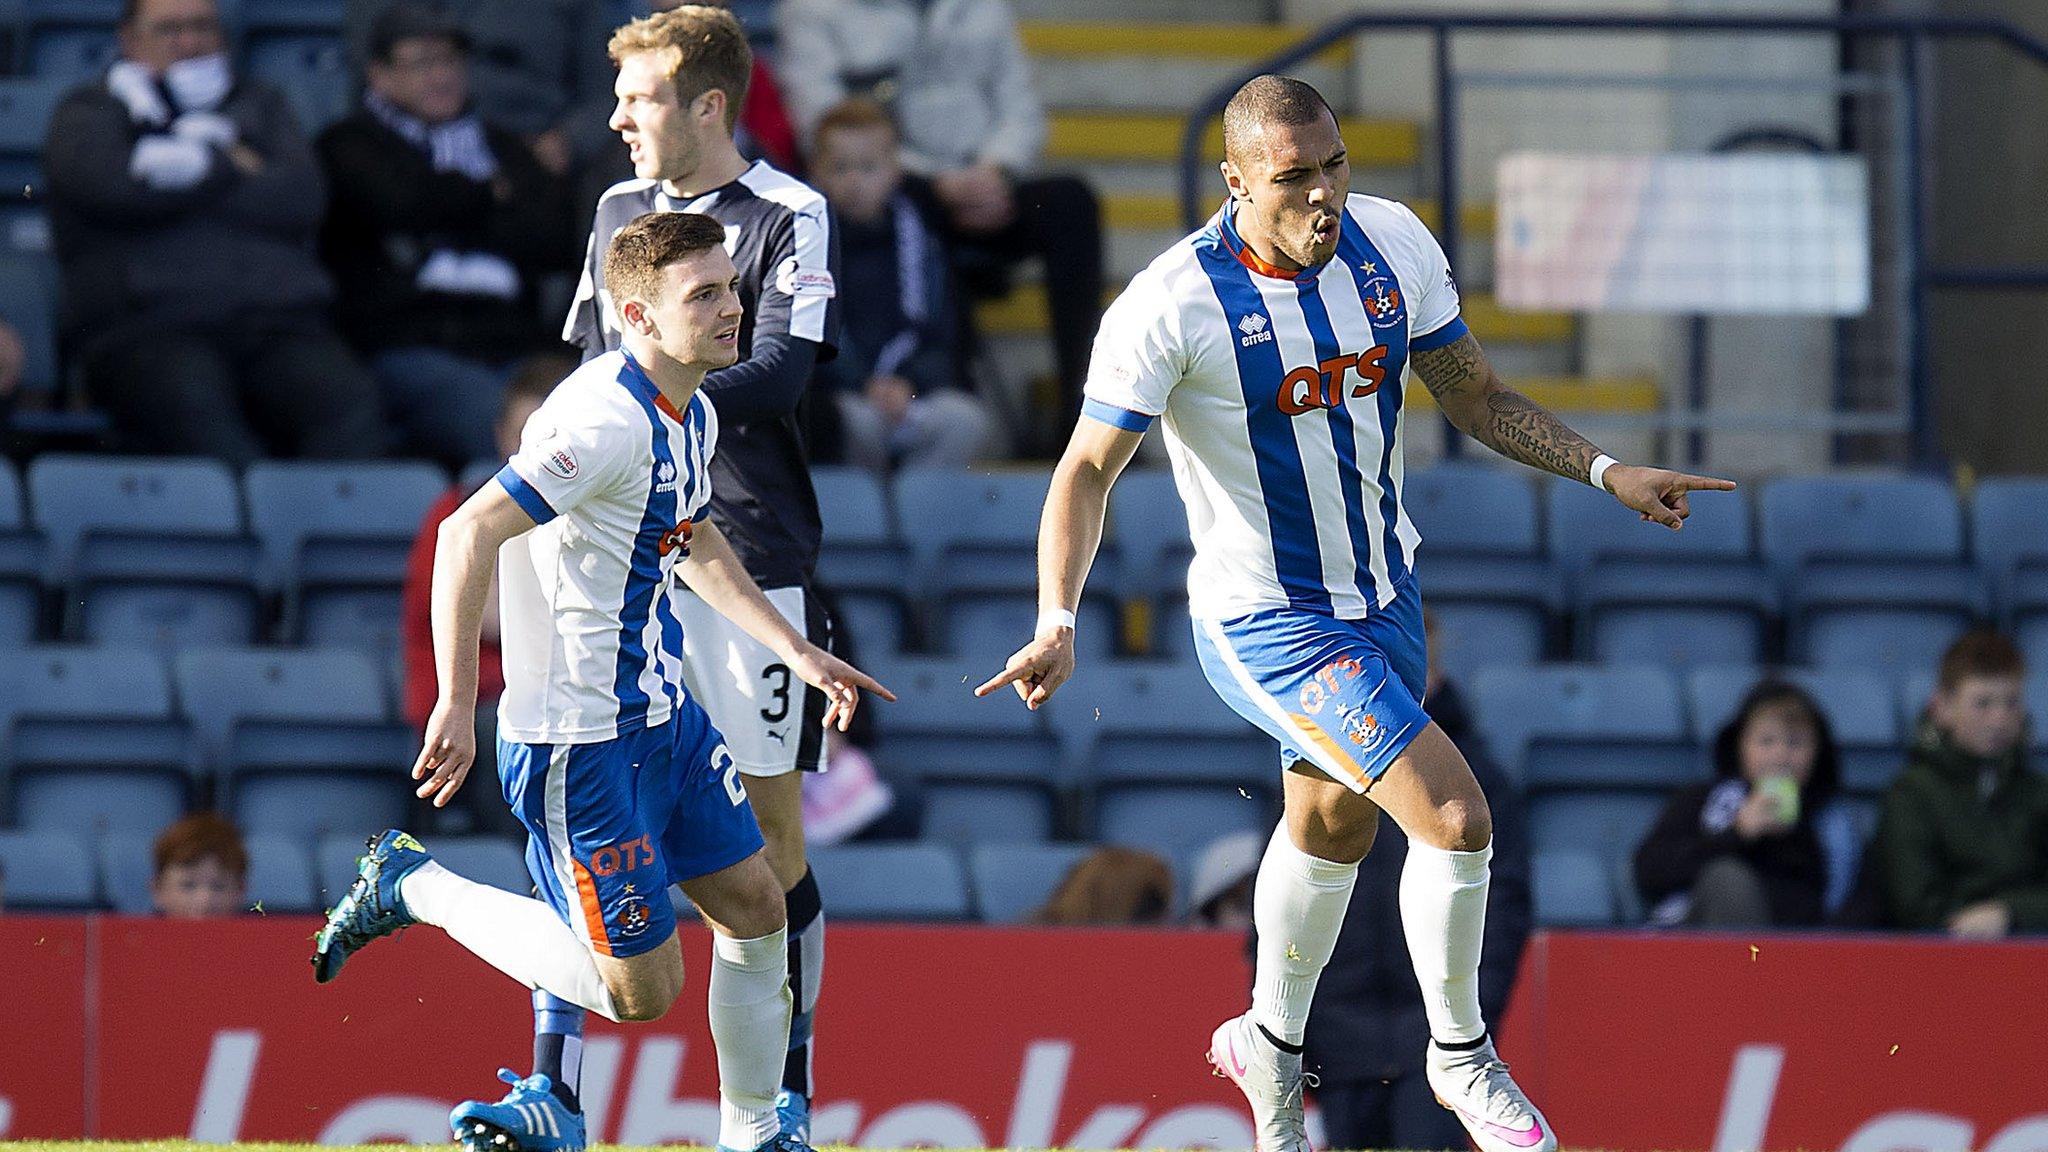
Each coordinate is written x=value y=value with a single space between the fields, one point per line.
x=1345 y=695
x=610 y=825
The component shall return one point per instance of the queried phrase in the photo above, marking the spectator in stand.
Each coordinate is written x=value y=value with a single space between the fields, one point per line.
x=475 y=809
x=440 y=229
x=539 y=71
x=1112 y=885
x=764 y=131
x=1367 y=1029
x=896 y=382
x=201 y=869
x=955 y=78
x=184 y=203
x=1747 y=849
x=1224 y=876
x=1962 y=845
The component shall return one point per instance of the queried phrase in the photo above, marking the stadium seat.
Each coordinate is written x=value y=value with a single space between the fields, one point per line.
x=337 y=538
x=1176 y=821
x=938 y=730
x=334 y=863
x=47 y=870
x=992 y=627
x=300 y=737
x=1609 y=824
x=21 y=564
x=312 y=70
x=1481 y=564
x=917 y=881
x=151 y=549
x=1576 y=726
x=1860 y=705
x=862 y=564
x=872 y=622
x=26 y=103
x=125 y=864
x=64 y=56
x=964 y=813
x=1149 y=526
x=1645 y=595
x=1572 y=889
x=1873 y=568
x=92 y=744
x=492 y=860
x=2011 y=536
x=280 y=874
x=28 y=303
x=1173 y=630
x=1144 y=721
x=1012 y=881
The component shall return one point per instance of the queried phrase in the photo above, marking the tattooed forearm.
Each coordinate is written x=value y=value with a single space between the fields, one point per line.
x=1463 y=382
x=1520 y=429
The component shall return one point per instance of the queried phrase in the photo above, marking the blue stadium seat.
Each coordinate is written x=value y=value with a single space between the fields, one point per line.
x=873 y=622
x=1176 y=821
x=1572 y=889
x=1610 y=824
x=1860 y=705
x=915 y=881
x=125 y=863
x=1646 y=595
x=862 y=562
x=1481 y=565
x=2011 y=536
x=280 y=874
x=152 y=549
x=987 y=813
x=938 y=730
x=1173 y=630
x=1136 y=721
x=21 y=564
x=26 y=103
x=28 y=302
x=312 y=70
x=47 y=870
x=1148 y=525
x=337 y=538
x=260 y=18
x=1873 y=568
x=300 y=737
x=991 y=627
x=334 y=862
x=93 y=744
x=1012 y=881
x=492 y=860
x=1577 y=726
x=66 y=56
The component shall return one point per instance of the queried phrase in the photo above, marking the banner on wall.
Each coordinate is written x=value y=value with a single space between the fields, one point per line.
x=1024 y=1038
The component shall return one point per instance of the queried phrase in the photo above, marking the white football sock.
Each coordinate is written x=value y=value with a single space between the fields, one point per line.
x=1298 y=907
x=517 y=935
x=1443 y=913
x=750 y=1010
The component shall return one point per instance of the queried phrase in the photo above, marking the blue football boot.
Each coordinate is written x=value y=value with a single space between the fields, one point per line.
x=529 y=1119
x=794 y=1111
x=372 y=907
x=784 y=1141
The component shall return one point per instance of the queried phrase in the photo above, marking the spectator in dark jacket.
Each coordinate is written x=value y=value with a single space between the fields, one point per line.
x=896 y=381
x=184 y=203
x=1367 y=1030
x=1745 y=849
x=1962 y=845
x=440 y=230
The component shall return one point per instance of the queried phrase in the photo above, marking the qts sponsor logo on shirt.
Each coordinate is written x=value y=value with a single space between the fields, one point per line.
x=1330 y=383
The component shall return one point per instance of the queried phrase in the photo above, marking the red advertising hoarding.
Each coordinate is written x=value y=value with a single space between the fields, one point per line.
x=983 y=1037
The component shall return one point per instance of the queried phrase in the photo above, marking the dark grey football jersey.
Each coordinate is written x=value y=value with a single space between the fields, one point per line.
x=780 y=236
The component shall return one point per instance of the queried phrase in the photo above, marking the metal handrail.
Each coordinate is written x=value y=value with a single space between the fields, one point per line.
x=1911 y=32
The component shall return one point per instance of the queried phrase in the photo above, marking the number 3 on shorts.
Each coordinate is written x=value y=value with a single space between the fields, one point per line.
x=721 y=762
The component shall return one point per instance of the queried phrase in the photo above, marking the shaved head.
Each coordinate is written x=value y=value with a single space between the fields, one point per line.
x=1266 y=102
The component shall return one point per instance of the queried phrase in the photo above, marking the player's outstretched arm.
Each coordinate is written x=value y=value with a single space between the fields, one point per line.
x=715 y=573
x=1478 y=404
x=1069 y=533
x=465 y=561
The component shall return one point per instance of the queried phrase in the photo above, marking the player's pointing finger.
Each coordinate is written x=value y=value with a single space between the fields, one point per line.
x=1690 y=483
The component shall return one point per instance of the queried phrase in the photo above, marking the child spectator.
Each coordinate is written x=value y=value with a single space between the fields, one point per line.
x=1745 y=849
x=1962 y=845
x=201 y=869
x=896 y=380
x=1112 y=885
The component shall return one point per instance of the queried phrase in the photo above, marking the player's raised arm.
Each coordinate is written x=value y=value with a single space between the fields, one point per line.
x=465 y=563
x=1069 y=533
x=1475 y=400
x=714 y=572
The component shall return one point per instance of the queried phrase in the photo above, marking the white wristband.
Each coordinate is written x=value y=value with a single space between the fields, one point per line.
x=1598 y=472
x=1053 y=619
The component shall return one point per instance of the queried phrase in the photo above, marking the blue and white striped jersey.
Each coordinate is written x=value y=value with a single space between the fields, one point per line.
x=1282 y=402
x=614 y=474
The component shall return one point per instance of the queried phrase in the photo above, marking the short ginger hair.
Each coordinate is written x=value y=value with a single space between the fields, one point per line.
x=1980 y=652
x=203 y=836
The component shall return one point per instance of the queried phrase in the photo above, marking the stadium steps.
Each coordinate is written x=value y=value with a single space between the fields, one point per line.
x=1609 y=395
x=1155 y=136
